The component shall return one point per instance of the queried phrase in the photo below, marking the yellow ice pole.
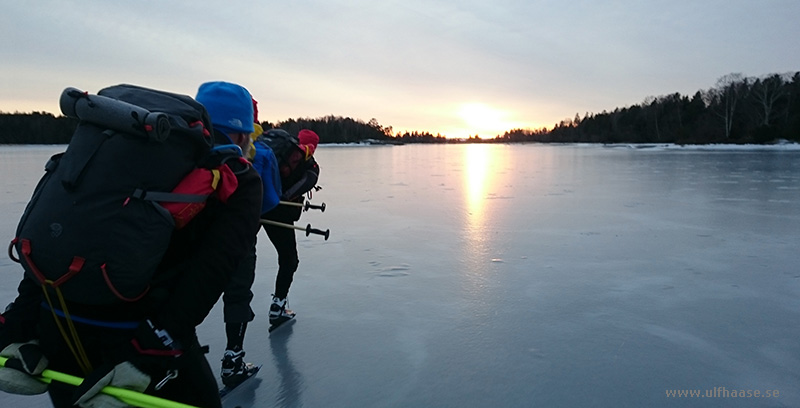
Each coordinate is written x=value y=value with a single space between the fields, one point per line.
x=305 y=205
x=131 y=397
x=290 y=203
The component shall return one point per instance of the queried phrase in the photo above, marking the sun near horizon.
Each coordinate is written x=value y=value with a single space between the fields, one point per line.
x=472 y=119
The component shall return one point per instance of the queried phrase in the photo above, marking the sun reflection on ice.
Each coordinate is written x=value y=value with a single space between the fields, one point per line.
x=480 y=161
x=476 y=178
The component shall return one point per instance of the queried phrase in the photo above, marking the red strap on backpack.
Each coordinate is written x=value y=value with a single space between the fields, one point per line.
x=203 y=182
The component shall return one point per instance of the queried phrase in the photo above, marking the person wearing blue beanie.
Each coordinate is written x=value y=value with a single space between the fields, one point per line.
x=232 y=112
x=230 y=107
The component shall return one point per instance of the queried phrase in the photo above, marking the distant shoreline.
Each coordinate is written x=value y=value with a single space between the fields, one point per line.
x=782 y=146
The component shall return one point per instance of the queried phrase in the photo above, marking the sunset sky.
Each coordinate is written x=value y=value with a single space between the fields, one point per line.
x=458 y=68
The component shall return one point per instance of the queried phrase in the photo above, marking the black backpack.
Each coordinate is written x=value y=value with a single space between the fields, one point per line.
x=94 y=228
x=281 y=142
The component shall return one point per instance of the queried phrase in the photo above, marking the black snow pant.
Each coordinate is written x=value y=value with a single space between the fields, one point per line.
x=238 y=293
x=285 y=243
x=195 y=384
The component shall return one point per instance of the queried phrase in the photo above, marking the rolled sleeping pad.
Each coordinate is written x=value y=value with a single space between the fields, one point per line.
x=115 y=114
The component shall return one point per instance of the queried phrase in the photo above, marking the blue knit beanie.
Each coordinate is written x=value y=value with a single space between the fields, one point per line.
x=229 y=105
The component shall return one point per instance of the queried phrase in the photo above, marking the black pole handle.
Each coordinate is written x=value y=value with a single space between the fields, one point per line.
x=314 y=207
x=310 y=230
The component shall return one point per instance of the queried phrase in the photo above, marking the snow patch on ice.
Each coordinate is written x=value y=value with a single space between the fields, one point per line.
x=780 y=146
x=394 y=271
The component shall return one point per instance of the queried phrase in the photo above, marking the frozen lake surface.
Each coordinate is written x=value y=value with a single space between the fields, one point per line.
x=522 y=275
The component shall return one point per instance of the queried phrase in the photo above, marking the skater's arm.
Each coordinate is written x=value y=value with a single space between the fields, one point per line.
x=305 y=183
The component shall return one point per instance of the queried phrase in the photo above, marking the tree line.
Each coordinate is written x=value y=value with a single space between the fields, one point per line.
x=737 y=109
x=35 y=128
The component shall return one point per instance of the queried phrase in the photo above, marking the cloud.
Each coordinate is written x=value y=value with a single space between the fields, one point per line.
x=409 y=64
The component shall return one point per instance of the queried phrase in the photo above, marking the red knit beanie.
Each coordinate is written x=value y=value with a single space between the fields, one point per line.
x=308 y=141
x=255 y=111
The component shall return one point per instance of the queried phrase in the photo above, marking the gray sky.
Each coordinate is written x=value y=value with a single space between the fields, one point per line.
x=457 y=67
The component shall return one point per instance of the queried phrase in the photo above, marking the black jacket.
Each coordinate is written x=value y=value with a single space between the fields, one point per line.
x=205 y=253
x=301 y=180
x=298 y=182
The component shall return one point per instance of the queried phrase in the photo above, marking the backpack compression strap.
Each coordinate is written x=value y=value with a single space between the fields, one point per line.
x=72 y=339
